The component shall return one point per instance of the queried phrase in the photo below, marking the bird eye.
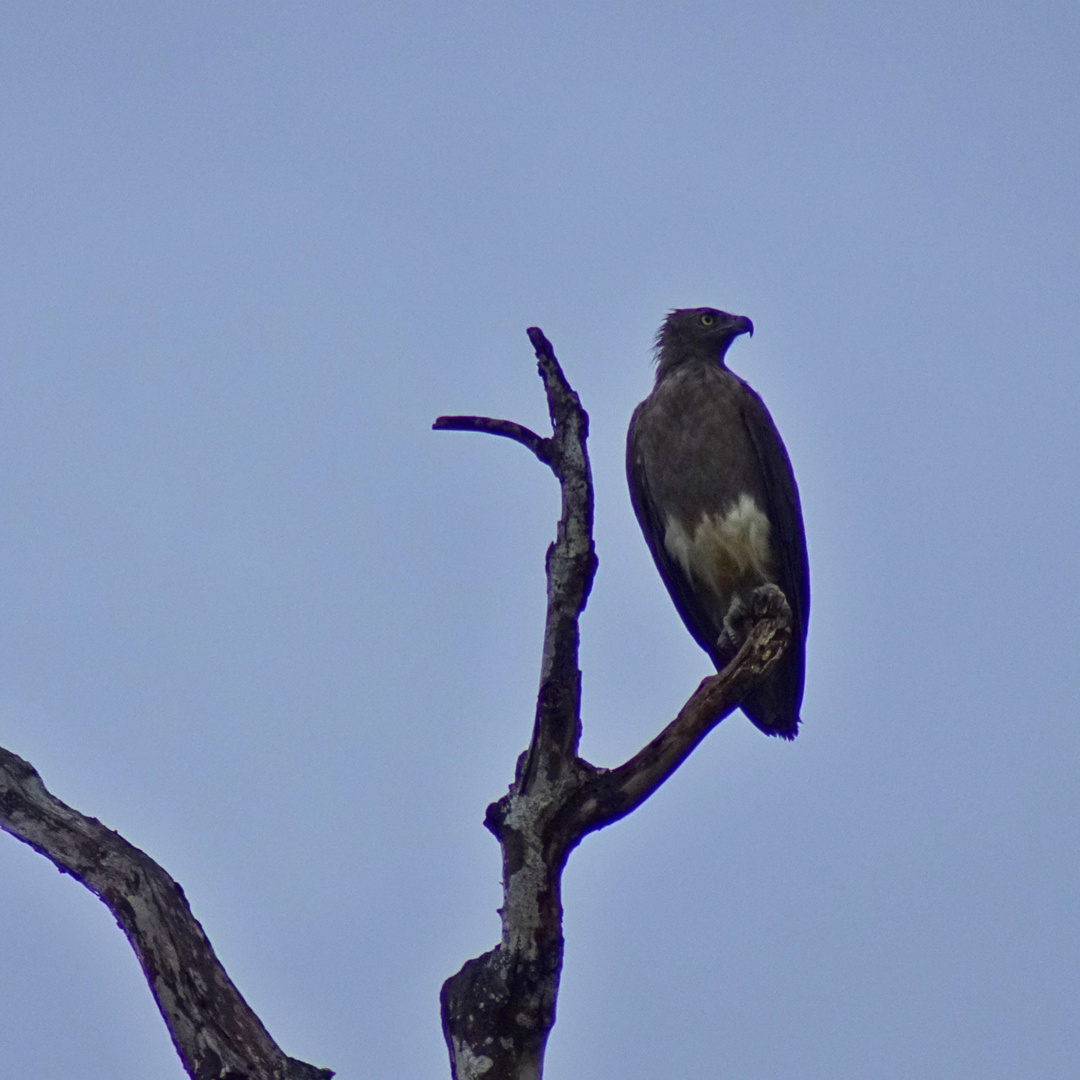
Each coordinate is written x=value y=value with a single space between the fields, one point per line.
x=708 y=320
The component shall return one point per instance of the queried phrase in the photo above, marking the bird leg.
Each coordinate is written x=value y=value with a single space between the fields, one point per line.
x=737 y=623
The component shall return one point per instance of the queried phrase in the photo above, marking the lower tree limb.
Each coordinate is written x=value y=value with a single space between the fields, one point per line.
x=214 y=1030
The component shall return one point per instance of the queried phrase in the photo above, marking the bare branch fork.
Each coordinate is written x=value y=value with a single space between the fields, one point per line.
x=214 y=1030
x=499 y=1009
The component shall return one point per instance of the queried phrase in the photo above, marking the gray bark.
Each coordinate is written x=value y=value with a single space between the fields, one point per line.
x=213 y=1028
x=499 y=1009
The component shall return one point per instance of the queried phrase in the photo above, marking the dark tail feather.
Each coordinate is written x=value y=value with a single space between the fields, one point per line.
x=773 y=707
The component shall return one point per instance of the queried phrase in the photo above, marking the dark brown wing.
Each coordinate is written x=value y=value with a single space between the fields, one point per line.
x=774 y=705
x=693 y=614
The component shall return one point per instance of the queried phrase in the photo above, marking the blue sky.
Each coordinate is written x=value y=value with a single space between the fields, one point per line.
x=265 y=623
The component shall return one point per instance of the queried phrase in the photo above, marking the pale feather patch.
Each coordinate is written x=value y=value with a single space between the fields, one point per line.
x=724 y=550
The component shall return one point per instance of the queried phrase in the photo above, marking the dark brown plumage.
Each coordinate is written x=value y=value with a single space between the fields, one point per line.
x=715 y=495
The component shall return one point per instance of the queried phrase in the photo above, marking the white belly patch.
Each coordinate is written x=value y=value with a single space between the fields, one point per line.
x=725 y=550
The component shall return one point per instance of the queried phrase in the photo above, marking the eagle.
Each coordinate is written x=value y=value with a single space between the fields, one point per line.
x=715 y=495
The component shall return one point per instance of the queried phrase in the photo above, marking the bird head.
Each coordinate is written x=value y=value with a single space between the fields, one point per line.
x=697 y=334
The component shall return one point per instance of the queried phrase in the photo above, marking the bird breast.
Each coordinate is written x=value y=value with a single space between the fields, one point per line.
x=727 y=551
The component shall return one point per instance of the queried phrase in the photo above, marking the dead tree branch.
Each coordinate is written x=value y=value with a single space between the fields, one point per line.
x=499 y=1009
x=214 y=1030
x=540 y=446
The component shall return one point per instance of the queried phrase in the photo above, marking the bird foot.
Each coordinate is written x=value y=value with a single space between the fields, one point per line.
x=766 y=602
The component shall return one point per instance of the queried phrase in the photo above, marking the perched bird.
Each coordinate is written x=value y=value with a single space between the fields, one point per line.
x=715 y=495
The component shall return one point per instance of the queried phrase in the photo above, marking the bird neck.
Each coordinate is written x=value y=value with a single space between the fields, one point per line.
x=677 y=354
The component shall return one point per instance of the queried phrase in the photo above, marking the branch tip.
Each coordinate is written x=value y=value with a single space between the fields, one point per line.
x=508 y=429
x=540 y=342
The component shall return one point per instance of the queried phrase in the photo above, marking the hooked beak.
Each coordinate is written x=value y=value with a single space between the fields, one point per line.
x=742 y=325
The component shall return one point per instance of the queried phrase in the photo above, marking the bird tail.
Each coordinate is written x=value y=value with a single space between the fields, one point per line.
x=773 y=705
